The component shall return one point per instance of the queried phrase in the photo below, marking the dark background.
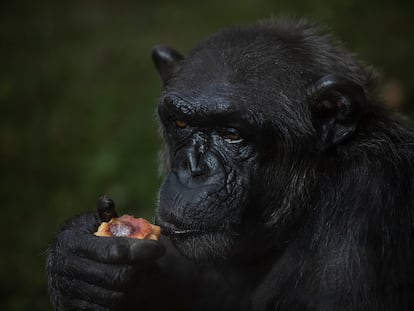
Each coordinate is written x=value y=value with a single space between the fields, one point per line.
x=78 y=96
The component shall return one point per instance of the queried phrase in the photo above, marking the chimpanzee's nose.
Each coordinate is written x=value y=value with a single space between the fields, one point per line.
x=195 y=161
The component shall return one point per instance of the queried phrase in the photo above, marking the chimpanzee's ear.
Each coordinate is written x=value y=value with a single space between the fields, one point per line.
x=166 y=61
x=337 y=105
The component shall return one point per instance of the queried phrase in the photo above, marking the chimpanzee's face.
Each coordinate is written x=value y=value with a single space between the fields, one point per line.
x=212 y=156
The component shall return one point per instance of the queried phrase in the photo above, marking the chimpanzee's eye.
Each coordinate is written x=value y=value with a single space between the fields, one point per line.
x=231 y=135
x=180 y=124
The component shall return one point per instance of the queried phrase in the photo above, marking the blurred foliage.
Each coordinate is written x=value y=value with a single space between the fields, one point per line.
x=78 y=96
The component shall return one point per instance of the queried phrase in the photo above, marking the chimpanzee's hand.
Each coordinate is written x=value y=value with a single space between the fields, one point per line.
x=86 y=272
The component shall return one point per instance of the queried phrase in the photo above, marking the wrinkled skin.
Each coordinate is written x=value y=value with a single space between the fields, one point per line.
x=205 y=192
x=287 y=187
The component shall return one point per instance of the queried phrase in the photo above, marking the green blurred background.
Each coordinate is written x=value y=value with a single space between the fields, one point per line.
x=78 y=96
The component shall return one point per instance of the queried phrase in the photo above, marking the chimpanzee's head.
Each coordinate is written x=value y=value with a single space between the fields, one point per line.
x=244 y=116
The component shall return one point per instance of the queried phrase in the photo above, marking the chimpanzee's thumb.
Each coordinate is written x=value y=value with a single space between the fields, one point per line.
x=106 y=208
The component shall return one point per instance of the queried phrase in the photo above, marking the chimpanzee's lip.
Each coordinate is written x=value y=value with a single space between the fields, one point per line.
x=170 y=229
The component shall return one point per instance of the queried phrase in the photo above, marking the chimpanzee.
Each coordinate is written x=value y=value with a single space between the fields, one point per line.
x=288 y=186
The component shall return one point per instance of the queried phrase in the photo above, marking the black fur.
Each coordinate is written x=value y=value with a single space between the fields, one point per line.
x=288 y=184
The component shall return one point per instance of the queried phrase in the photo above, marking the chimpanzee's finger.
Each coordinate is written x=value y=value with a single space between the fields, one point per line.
x=109 y=276
x=90 y=294
x=110 y=249
x=106 y=208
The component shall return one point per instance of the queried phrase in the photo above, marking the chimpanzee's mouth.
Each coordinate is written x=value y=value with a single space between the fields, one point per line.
x=170 y=229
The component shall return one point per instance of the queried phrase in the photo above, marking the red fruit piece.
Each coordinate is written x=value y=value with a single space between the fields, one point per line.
x=130 y=227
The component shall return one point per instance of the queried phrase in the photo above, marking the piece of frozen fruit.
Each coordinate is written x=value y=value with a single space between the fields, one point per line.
x=130 y=227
